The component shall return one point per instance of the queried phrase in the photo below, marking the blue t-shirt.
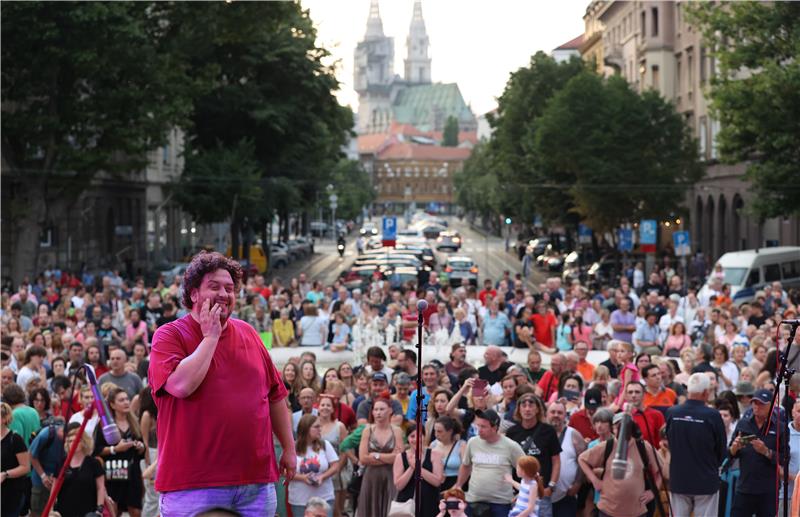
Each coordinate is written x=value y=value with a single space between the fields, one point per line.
x=50 y=456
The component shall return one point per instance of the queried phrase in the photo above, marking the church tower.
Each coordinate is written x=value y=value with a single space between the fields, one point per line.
x=374 y=74
x=418 y=63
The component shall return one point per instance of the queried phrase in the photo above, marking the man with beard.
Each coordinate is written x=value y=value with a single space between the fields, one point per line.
x=217 y=391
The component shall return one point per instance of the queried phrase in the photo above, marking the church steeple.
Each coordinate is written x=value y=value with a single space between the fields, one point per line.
x=417 y=62
x=374 y=22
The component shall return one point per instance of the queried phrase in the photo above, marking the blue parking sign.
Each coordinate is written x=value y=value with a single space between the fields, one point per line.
x=625 y=239
x=584 y=234
x=647 y=231
x=389 y=228
x=682 y=243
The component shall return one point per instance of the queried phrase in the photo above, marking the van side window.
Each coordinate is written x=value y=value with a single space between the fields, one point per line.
x=791 y=269
x=772 y=273
x=752 y=278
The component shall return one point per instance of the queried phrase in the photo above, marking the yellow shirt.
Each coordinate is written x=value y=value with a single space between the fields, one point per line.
x=284 y=331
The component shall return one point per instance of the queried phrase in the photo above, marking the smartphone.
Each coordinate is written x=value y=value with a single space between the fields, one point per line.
x=479 y=387
x=451 y=505
x=747 y=438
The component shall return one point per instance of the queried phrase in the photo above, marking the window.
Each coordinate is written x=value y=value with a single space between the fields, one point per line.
x=655 y=77
x=654 y=31
x=703 y=65
x=752 y=278
x=690 y=69
x=643 y=24
x=678 y=84
x=702 y=134
x=791 y=269
x=772 y=273
x=714 y=131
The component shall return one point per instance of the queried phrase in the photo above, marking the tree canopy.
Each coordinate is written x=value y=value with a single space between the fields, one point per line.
x=756 y=94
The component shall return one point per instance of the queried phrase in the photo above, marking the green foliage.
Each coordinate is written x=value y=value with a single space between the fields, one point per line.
x=518 y=114
x=353 y=187
x=611 y=174
x=476 y=183
x=450 y=135
x=86 y=86
x=756 y=95
x=270 y=87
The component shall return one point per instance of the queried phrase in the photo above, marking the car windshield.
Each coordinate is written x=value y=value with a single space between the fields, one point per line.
x=460 y=264
x=734 y=275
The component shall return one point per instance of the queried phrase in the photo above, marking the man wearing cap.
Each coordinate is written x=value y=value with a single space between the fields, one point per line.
x=759 y=453
x=696 y=436
x=377 y=385
x=582 y=420
x=487 y=460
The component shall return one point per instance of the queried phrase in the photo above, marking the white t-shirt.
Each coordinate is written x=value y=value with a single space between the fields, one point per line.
x=313 y=328
x=90 y=425
x=25 y=375
x=311 y=461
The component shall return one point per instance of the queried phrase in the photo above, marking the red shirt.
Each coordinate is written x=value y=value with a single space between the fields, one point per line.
x=581 y=422
x=543 y=327
x=482 y=295
x=221 y=435
x=549 y=384
x=649 y=422
x=409 y=333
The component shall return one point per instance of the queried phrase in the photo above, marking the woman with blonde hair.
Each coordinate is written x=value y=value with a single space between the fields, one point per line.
x=600 y=376
x=84 y=489
x=124 y=484
x=16 y=464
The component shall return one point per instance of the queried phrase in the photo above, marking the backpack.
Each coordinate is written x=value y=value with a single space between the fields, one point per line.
x=649 y=482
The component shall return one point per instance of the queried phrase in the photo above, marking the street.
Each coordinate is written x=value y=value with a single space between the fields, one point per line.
x=488 y=252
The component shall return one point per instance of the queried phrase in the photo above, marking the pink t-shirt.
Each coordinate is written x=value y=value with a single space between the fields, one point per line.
x=221 y=435
x=130 y=331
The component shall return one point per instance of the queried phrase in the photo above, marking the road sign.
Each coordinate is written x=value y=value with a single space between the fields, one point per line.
x=682 y=243
x=389 y=229
x=584 y=234
x=625 y=239
x=333 y=198
x=647 y=235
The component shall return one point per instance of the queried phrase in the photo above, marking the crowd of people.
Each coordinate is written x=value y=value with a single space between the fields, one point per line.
x=688 y=381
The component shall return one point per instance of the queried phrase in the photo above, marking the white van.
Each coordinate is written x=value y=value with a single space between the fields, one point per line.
x=749 y=270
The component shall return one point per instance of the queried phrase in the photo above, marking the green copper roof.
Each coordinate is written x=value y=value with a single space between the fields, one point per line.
x=426 y=106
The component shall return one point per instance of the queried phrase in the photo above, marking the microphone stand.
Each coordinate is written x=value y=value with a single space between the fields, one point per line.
x=420 y=398
x=785 y=374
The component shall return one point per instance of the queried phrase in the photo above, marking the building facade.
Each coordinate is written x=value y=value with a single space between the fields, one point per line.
x=652 y=45
x=385 y=98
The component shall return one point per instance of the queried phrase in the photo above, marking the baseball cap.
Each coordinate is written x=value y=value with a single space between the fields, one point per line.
x=744 y=388
x=762 y=396
x=490 y=415
x=379 y=376
x=592 y=398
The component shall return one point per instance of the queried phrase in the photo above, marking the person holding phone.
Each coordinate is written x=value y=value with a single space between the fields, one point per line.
x=317 y=462
x=453 y=503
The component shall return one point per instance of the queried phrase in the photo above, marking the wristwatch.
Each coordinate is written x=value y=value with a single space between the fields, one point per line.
x=551 y=484
x=112 y=450
x=376 y=455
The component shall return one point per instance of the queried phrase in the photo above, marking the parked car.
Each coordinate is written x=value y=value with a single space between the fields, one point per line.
x=432 y=231
x=461 y=270
x=448 y=240
x=279 y=255
x=319 y=228
x=296 y=249
x=308 y=242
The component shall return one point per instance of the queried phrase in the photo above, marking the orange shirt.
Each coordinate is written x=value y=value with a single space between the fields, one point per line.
x=586 y=370
x=664 y=398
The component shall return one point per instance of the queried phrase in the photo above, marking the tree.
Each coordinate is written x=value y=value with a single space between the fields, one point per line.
x=86 y=87
x=513 y=142
x=756 y=95
x=616 y=156
x=353 y=188
x=269 y=87
x=476 y=183
x=450 y=135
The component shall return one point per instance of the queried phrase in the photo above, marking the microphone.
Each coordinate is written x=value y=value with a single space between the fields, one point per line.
x=791 y=322
x=110 y=429
x=619 y=465
x=422 y=305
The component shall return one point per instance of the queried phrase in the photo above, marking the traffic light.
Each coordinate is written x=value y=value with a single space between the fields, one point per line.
x=508 y=220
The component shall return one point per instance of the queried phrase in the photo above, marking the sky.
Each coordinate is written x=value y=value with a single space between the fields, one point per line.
x=475 y=43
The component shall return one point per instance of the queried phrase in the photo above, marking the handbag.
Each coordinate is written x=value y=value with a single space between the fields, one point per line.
x=404 y=509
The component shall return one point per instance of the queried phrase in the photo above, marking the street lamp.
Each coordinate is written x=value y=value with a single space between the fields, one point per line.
x=334 y=203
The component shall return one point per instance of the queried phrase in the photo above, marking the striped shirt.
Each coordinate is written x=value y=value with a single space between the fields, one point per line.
x=525 y=489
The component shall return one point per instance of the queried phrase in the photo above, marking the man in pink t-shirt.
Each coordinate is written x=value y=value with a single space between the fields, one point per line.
x=219 y=399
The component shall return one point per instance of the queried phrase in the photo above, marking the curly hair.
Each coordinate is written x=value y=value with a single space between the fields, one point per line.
x=203 y=263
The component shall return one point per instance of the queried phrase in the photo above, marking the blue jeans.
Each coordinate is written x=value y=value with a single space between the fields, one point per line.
x=248 y=500
x=497 y=509
x=545 y=507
